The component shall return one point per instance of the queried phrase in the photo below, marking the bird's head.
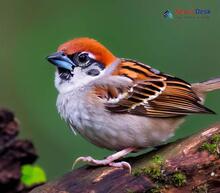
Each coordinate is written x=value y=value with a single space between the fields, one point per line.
x=78 y=62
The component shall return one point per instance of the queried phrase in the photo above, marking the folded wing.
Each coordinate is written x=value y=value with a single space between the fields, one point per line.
x=151 y=93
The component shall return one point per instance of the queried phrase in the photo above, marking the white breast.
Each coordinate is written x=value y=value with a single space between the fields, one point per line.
x=113 y=131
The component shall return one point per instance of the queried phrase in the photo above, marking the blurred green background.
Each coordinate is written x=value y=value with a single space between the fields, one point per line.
x=30 y=30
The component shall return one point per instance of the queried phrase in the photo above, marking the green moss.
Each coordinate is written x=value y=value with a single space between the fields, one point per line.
x=157 y=159
x=153 y=172
x=139 y=171
x=210 y=147
x=156 y=189
x=216 y=138
x=158 y=175
x=160 y=178
x=178 y=179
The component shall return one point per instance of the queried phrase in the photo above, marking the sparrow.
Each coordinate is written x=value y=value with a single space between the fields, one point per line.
x=121 y=104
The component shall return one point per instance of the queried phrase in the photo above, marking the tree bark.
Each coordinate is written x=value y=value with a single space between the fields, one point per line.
x=187 y=165
x=13 y=154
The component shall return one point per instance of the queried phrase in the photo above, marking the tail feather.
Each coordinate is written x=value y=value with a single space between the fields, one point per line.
x=207 y=86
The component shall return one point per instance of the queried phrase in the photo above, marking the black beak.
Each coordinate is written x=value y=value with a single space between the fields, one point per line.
x=60 y=60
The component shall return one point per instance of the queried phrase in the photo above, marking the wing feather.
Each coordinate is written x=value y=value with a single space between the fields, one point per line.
x=151 y=94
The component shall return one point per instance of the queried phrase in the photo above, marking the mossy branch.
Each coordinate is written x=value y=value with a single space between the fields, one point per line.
x=187 y=165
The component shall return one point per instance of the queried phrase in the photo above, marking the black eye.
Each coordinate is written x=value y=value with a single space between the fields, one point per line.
x=83 y=58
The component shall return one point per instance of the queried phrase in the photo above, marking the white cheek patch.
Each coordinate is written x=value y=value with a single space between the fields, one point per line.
x=81 y=78
x=57 y=80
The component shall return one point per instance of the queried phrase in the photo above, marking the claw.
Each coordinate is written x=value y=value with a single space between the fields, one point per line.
x=122 y=164
x=87 y=159
x=74 y=163
x=108 y=161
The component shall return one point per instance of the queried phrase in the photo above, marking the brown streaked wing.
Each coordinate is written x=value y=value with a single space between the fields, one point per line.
x=139 y=94
x=155 y=94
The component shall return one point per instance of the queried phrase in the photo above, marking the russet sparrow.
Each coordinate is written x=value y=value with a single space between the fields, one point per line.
x=121 y=104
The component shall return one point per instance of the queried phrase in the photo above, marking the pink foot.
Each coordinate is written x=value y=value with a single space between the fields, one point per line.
x=109 y=160
x=122 y=164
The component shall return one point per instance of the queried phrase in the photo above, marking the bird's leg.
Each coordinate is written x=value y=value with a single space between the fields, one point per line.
x=109 y=160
